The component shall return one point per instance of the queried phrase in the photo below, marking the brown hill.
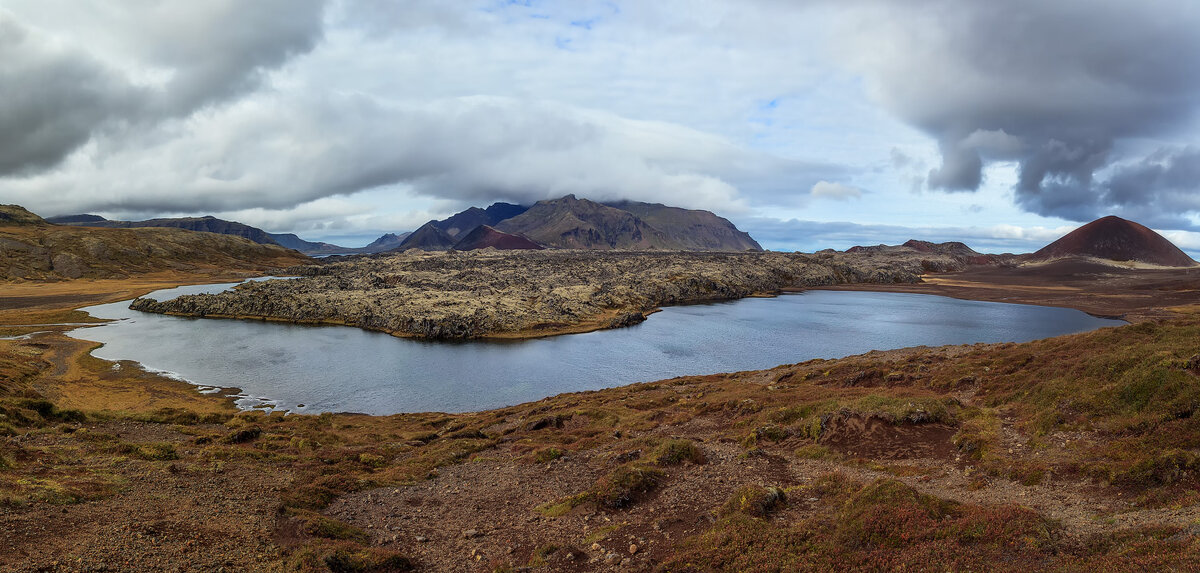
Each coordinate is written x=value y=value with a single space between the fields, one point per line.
x=32 y=251
x=571 y=223
x=959 y=253
x=691 y=229
x=12 y=215
x=385 y=242
x=427 y=237
x=459 y=224
x=207 y=224
x=484 y=236
x=1115 y=239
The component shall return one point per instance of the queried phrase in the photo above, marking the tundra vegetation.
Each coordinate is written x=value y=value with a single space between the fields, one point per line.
x=1074 y=453
x=1067 y=453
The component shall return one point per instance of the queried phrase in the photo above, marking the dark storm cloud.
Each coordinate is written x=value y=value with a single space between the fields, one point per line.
x=1051 y=85
x=221 y=49
x=57 y=96
x=1160 y=187
x=52 y=99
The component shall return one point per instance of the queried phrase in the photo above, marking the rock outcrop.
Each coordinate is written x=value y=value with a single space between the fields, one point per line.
x=489 y=293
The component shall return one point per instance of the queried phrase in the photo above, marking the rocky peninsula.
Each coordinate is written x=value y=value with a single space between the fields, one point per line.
x=522 y=294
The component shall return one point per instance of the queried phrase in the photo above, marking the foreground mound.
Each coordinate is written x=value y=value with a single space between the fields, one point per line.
x=1116 y=239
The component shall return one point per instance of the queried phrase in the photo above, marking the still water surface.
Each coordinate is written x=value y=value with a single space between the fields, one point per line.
x=330 y=368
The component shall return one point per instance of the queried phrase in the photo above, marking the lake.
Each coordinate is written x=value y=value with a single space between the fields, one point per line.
x=343 y=369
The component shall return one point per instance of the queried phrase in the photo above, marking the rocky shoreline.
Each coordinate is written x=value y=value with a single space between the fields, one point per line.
x=524 y=294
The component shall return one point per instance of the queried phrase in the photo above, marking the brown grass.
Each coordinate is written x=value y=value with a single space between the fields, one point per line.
x=1126 y=399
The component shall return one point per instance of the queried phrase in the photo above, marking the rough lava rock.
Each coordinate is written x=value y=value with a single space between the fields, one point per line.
x=490 y=293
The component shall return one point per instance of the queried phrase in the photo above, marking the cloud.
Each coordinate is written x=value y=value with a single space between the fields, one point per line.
x=272 y=109
x=54 y=98
x=1054 y=86
x=836 y=191
x=274 y=151
x=135 y=65
x=1161 y=187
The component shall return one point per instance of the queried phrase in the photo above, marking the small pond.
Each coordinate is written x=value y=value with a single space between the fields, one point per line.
x=329 y=368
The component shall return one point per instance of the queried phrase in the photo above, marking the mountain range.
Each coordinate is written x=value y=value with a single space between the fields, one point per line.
x=31 y=249
x=210 y=224
x=573 y=223
x=565 y=223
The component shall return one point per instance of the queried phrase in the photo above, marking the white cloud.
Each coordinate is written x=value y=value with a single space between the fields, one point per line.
x=379 y=114
x=836 y=191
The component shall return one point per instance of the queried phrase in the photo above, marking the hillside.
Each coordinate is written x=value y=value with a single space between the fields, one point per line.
x=292 y=241
x=570 y=223
x=959 y=252
x=484 y=236
x=459 y=224
x=13 y=215
x=1115 y=239
x=1074 y=453
x=31 y=251
x=385 y=242
x=691 y=229
x=427 y=237
x=207 y=224
x=210 y=224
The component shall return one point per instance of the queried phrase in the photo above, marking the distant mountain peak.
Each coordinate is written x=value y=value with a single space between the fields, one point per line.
x=1116 y=239
x=574 y=223
x=458 y=225
x=427 y=237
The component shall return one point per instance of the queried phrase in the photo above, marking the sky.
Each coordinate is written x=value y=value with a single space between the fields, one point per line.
x=810 y=124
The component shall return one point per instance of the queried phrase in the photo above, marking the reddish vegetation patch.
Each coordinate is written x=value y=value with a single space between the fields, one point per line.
x=870 y=437
x=1116 y=239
